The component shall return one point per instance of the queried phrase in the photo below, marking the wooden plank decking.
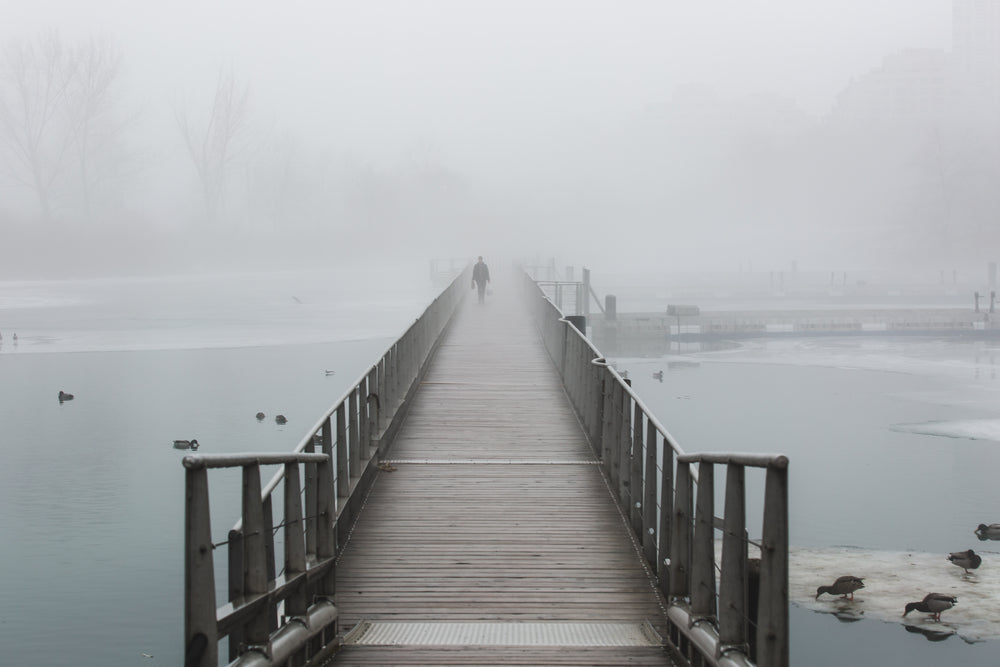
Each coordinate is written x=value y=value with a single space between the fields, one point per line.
x=496 y=514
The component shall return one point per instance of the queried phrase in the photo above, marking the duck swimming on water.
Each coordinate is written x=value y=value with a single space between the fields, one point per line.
x=968 y=560
x=990 y=532
x=63 y=396
x=843 y=586
x=280 y=419
x=186 y=444
x=933 y=604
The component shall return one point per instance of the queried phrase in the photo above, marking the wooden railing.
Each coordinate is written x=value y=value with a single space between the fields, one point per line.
x=746 y=621
x=289 y=618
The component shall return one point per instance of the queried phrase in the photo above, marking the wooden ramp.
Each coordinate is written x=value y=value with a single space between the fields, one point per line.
x=495 y=541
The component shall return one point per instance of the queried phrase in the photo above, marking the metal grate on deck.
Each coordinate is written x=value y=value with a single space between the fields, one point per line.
x=377 y=633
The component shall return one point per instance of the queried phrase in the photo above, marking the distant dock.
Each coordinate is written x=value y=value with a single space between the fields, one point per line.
x=641 y=330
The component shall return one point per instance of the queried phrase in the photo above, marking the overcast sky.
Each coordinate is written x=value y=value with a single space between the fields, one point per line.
x=481 y=85
x=462 y=67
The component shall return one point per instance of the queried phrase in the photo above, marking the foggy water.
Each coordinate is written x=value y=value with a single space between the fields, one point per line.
x=893 y=446
x=885 y=480
x=91 y=563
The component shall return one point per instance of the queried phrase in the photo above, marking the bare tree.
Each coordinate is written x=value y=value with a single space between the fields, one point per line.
x=91 y=109
x=214 y=144
x=35 y=136
x=58 y=115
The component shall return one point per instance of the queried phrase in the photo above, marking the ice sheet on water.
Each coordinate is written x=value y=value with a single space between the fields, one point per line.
x=893 y=578
x=973 y=429
x=208 y=311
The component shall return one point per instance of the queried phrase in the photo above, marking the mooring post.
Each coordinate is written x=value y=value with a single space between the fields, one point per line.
x=733 y=589
x=703 y=549
x=772 y=628
x=310 y=495
x=295 y=552
x=649 y=496
x=680 y=551
x=326 y=509
x=343 y=455
x=666 y=532
x=255 y=558
x=201 y=641
x=353 y=435
x=636 y=498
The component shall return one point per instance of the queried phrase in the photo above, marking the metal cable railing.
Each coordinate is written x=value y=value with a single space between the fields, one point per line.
x=745 y=620
x=288 y=617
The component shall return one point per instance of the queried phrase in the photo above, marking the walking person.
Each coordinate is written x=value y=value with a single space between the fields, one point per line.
x=481 y=276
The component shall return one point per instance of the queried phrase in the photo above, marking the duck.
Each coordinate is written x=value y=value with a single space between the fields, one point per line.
x=990 y=532
x=967 y=560
x=843 y=586
x=186 y=444
x=329 y=372
x=63 y=396
x=280 y=419
x=658 y=375
x=933 y=603
x=260 y=415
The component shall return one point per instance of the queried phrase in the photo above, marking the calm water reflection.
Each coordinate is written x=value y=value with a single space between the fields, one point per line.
x=92 y=489
x=865 y=470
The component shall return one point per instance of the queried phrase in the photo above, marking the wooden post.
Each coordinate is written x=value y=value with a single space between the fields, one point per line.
x=607 y=418
x=364 y=436
x=353 y=434
x=326 y=509
x=680 y=551
x=636 y=497
x=703 y=550
x=649 y=488
x=666 y=532
x=295 y=551
x=383 y=394
x=733 y=588
x=235 y=551
x=269 y=564
x=343 y=455
x=624 y=446
x=255 y=558
x=772 y=628
x=616 y=434
x=201 y=639
x=310 y=496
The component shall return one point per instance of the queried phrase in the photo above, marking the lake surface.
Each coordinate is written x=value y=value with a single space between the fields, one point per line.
x=92 y=490
x=885 y=474
x=893 y=447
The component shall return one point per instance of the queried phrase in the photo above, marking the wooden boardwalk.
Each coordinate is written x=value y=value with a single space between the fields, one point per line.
x=495 y=541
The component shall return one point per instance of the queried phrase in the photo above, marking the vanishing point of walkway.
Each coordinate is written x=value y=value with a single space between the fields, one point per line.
x=494 y=540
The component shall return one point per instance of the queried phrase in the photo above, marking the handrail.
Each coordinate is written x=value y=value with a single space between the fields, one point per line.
x=638 y=401
x=323 y=492
x=675 y=526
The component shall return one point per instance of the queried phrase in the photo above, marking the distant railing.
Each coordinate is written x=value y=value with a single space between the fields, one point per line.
x=289 y=618
x=746 y=621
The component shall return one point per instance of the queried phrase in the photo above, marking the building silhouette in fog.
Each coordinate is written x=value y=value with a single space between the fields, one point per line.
x=920 y=85
x=976 y=53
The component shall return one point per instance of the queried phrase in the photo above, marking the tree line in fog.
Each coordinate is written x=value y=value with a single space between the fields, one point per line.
x=77 y=150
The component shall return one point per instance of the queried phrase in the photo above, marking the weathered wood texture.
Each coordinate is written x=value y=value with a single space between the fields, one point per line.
x=496 y=511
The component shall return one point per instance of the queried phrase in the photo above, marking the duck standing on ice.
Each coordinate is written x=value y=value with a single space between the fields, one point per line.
x=933 y=604
x=968 y=560
x=843 y=586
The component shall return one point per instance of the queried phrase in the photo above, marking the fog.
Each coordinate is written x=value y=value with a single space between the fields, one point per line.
x=618 y=135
